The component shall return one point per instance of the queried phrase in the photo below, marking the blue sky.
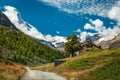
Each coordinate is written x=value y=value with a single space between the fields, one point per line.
x=63 y=18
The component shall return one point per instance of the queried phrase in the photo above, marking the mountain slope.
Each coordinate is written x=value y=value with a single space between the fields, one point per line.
x=18 y=47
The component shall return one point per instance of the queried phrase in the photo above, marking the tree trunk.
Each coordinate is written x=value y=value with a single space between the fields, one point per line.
x=71 y=55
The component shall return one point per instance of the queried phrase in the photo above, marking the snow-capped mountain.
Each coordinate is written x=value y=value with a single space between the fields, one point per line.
x=15 y=17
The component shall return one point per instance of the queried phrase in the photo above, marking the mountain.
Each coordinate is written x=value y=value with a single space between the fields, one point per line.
x=15 y=17
x=4 y=20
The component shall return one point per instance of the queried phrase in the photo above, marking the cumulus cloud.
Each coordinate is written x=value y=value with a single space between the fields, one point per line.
x=97 y=22
x=88 y=26
x=105 y=33
x=84 y=35
x=14 y=16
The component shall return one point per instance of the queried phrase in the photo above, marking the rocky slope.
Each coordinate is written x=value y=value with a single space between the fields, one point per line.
x=4 y=20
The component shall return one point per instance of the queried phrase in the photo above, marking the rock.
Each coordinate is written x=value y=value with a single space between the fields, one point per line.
x=58 y=62
x=4 y=20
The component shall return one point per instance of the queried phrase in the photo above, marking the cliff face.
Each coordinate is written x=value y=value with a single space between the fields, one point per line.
x=5 y=21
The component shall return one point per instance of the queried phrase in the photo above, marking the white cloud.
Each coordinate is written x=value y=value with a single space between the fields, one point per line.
x=57 y=32
x=82 y=6
x=109 y=34
x=14 y=16
x=96 y=25
x=97 y=22
x=106 y=33
x=88 y=26
x=78 y=30
x=114 y=12
x=83 y=36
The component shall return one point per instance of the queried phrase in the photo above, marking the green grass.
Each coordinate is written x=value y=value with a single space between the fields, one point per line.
x=81 y=64
x=110 y=70
x=92 y=65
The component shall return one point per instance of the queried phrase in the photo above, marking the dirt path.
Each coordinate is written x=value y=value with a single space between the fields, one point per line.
x=40 y=75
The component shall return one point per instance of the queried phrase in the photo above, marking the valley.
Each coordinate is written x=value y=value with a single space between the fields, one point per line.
x=44 y=52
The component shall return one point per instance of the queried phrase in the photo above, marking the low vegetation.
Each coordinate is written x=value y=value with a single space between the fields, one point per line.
x=11 y=71
x=91 y=65
x=18 y=47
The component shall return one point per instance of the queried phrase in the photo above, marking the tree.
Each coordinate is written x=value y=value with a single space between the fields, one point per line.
x=72 y=45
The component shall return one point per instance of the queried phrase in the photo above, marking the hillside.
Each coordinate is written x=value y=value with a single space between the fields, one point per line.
x=17 y=47
x=91 y=65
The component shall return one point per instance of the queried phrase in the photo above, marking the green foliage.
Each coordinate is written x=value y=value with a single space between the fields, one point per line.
x=18 y=47
x=110 y=70
x=72 y=44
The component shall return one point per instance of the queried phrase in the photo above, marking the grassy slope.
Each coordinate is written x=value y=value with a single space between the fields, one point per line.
x=92 y=65
x=11 y=71
x=18 y=47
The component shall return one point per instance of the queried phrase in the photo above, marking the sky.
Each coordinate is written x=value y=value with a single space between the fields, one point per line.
x=66 y=17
